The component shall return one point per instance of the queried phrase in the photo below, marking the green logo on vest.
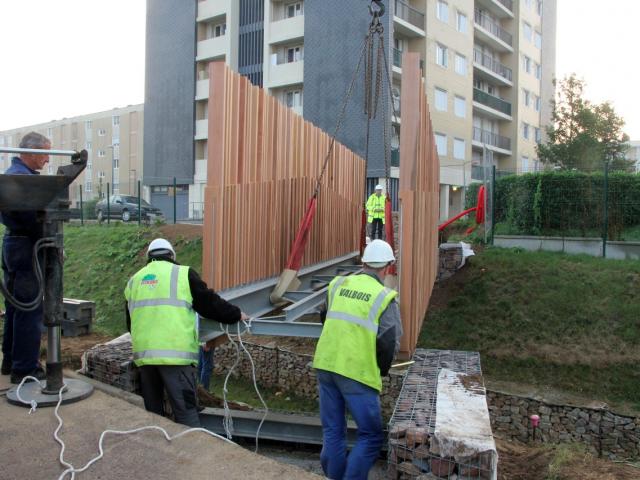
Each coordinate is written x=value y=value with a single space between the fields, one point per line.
x=150 y=280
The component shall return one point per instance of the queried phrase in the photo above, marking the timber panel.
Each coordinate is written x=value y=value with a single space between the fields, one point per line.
x=419 y=204
x=263 y=162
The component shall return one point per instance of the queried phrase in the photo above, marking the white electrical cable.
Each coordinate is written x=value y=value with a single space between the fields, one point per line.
x=70 y=469
x=228 y=420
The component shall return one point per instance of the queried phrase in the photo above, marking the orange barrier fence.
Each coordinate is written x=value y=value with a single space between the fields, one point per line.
x=263 y=161
x=419 y=204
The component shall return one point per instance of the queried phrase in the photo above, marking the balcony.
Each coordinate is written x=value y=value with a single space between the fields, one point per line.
x=490 y=138
x=492 y=33
x=397 y=59
x=202 y=89
x=286 y=30
x=498 y=8
x=492 y=66
x=212 y=48
x=208 y=9
x=508 y=4
x=283 y=74
x=494 y=103
x=202 y=129
x=409 y=21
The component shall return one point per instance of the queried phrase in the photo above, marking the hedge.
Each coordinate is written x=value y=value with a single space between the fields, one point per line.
x=564 y=203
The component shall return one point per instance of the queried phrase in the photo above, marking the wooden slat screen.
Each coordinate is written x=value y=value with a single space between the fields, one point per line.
x=263 y=161
x=419 y=204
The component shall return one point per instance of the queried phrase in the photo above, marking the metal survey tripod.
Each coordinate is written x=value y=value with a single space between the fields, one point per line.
x=48 y=195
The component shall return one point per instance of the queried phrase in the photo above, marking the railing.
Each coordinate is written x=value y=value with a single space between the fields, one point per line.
x=492 y=27
x=508 y=4
x=490 y=138
x=491 y=101
x=397 y=59
x=408 y=13
x=492 y=64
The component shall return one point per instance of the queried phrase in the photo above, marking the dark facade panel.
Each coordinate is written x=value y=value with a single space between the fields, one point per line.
x=334 y=31
x=169 y=92
x=251 y=40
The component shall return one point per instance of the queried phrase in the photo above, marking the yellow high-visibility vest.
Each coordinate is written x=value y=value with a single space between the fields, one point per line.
x=375 y=207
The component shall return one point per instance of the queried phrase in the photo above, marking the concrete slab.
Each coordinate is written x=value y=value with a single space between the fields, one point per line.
x=29 y=451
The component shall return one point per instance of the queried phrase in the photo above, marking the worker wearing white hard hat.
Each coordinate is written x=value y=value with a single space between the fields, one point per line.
x=360 y=336
x=163 y=299
x=376 y=212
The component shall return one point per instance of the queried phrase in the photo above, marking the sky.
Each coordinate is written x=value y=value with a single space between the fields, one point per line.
x=62 y=58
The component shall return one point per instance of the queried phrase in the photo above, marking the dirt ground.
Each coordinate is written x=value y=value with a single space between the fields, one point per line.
x=186 y=231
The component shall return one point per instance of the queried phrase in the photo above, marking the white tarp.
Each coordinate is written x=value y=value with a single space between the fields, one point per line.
x=467 y=251
x=463 y=428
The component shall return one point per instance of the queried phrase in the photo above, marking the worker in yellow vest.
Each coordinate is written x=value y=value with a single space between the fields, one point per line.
x=375 y=213
x=360 y=337
x=162 y=301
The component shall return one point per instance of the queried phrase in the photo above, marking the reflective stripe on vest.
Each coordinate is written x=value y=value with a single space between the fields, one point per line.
x=165 y=354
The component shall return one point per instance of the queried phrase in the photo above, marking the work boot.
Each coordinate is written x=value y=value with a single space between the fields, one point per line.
x=37 y=372
x=6 y=366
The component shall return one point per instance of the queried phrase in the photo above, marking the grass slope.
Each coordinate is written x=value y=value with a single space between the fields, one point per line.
x=568 y=322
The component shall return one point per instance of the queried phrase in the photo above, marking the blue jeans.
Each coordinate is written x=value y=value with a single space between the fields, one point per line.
x=22 y=330
x=205 y=367
x=363 y=403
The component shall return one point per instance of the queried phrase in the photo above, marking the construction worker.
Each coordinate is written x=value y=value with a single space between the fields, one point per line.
x=22 y=330
x=375 y=212
x=360 y=337
x=162 y=301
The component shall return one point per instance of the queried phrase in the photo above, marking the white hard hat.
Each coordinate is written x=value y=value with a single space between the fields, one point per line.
x=159 y=247
x=378 y=254
x=378 y=187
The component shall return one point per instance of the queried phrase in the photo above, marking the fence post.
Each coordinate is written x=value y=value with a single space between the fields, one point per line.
x=81 y=207
x=175 y=202
x=605 y=225
x=139 y=205
x=108 y=205
x=493 y=201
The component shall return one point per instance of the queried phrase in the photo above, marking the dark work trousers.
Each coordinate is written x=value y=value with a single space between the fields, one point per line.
x=22 y=330
x=179 y=381
x=377 y=228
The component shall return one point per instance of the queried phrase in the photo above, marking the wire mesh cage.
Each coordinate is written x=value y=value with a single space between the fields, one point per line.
x=112 y=363
x=414 y=450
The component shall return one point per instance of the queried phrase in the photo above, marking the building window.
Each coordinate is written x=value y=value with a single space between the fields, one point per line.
x=527 y=31
x=441 y=99
x=537 y=135
x=88 y=146
x=295 y=54
x=442 y=55
x=461 y=64
x=525 y=130
x=460 y=106
x=293 y=98
x=441 y=143
x=458 y=148
x=294 y=9
x=538 y=40
x=116 y=163
x=539 y=7
x=536 y=102
x=87 y=186
x=215 y=30
x=526 y=64
x=100 y=153
x=526 y=97
x=87 y=125
x=461 y=22
x=115 y=120
x=102 y=132
x=50 y=133
x=525 y=164
x=442 y=11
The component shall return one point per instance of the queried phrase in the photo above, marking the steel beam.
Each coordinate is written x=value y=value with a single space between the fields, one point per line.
x=276 y=328
x=304 y=306
x=282 y=427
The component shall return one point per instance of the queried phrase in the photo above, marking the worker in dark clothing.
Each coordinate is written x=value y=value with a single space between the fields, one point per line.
x=162 y=301
x=22 y=330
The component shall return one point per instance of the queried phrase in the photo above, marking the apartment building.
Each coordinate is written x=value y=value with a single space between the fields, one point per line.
x=112 y=138
x=633 y=154
x=488 y=67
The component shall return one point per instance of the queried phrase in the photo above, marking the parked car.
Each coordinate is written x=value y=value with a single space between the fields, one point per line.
x=125 y=207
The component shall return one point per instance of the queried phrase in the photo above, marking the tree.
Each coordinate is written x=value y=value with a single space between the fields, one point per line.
x=582 y=135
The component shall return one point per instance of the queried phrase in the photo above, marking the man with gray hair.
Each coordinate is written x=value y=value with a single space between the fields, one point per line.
x=21 y=340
